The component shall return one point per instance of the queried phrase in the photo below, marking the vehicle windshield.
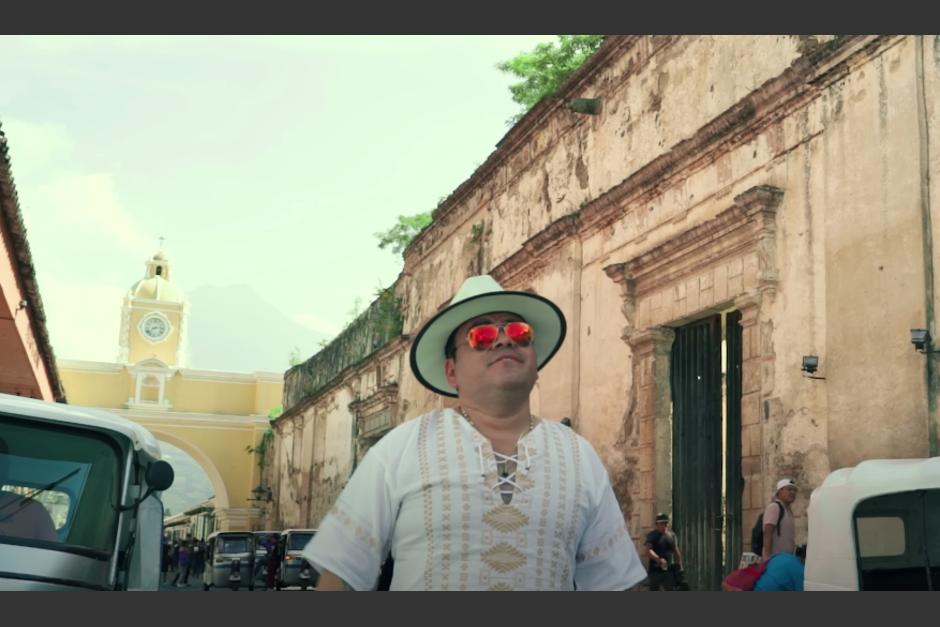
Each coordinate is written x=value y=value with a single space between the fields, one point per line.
x=299 y=540
x=234 y=545
x=58 y=486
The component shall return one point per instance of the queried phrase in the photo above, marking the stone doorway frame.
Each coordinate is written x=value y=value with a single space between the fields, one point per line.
x=727 y=261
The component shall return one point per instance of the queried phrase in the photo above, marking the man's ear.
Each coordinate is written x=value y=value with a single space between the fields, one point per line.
x=450 y=371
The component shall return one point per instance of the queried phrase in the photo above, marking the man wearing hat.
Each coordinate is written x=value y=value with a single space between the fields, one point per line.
x=779 y=530
x=484 y=496
x=662 y=547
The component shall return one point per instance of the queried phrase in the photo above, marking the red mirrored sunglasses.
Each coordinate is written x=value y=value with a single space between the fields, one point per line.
x=483 y=336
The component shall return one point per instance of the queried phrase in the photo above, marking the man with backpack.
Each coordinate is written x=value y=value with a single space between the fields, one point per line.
x=774 y=531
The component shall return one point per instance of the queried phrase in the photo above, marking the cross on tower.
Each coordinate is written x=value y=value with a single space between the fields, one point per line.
x=161 y=242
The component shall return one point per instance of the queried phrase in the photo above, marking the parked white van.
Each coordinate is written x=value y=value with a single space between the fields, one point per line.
x=876 y=526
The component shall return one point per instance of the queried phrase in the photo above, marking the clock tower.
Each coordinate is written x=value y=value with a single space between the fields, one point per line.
x=153 y=320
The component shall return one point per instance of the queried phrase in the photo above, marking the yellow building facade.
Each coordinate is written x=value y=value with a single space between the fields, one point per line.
x=212 y=415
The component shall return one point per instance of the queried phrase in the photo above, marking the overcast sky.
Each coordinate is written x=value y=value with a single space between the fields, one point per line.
x=263 y=161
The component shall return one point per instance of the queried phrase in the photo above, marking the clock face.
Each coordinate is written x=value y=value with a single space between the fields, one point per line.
x=154 y=327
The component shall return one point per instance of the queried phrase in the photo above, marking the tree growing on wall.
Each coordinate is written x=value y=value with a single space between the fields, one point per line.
x=542 y=71
x=406 y=229
x=545 y=68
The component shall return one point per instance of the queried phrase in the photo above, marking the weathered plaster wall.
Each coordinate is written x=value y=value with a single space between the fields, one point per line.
x=688 y=126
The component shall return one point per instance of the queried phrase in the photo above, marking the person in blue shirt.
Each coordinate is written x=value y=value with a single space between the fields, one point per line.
x=784 y=573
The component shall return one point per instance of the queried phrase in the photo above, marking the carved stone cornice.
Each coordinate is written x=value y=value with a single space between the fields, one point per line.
x=384 y=396
x=747 y=224
x=621 y=275
x=537 y=252
x=375 y=414
x=652 y=340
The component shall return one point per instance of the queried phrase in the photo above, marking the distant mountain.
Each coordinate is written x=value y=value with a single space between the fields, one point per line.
x=234 y=328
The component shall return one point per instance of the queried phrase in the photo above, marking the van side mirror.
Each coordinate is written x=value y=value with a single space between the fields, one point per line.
x=160 y=475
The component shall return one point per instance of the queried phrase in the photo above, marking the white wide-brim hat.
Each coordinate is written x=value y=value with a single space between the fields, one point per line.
x=477 y=296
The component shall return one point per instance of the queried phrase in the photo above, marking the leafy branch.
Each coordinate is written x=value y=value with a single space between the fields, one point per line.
x=546 y=67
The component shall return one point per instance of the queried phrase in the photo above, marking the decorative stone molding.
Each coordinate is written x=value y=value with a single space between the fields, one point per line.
x=730 y=258
x=620 y=274
x=375 y=414
x=535 y=254
x=150 y=373
x=747 y=225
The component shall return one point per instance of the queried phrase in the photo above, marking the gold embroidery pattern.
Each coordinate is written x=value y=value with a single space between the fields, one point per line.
x=563 y=519
x=464 y=478
x=573 y=522
x=543 y=515
x=346 y=521
x=503 y=558
x=605 y=545
x=505 y=518
x=501 y=587
x=443 y=472
x=425 y=469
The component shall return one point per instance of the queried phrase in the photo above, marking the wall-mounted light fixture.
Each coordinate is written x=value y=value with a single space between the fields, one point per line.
x=810 y=365
x=920 y=338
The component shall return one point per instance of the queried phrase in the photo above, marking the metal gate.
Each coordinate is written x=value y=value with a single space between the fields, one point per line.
x=734 y=481
x=697 y=450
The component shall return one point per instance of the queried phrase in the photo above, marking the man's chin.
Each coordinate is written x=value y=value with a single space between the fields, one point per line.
x=514 y=383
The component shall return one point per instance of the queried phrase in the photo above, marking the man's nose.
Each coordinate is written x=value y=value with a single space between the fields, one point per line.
x=502 y=338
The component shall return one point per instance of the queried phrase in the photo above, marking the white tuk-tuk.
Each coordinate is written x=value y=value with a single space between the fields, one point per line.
x=876 y=526
x=294 y=570
x=77 y=502
x=230 y=560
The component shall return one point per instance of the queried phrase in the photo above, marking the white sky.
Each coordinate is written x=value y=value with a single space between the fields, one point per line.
x=266 y=161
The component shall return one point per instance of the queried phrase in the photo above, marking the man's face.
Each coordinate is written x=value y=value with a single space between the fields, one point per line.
x=661 y=526
x=787 y=494
x=504 y=367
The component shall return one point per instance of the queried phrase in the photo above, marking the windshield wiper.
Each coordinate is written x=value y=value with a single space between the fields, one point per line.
x=27 y=498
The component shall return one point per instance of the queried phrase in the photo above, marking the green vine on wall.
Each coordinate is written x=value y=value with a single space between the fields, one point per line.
x=476 y=232
x=262 y=448
x=375 y=327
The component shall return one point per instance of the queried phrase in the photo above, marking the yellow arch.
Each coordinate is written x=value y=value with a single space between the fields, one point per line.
x=218 y=484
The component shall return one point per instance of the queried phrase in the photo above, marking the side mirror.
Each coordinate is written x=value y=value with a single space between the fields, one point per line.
x=160 y=475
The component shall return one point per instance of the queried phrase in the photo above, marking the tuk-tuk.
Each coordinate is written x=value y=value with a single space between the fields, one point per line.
x=230 y=560
x=294 y=570
x=876 y=526
x=78 y=502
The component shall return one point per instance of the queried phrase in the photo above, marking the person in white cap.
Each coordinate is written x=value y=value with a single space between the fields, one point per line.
x=779 y=530
x=485 y=496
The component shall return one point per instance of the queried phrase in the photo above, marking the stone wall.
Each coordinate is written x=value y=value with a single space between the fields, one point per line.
x=788 y=178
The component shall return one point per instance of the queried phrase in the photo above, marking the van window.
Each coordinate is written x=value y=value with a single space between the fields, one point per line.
x=298 y=541
x=880 y=536
x=58 y=486
x=894 y=536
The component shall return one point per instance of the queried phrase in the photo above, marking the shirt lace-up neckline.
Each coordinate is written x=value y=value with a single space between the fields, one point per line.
x=506 y=465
